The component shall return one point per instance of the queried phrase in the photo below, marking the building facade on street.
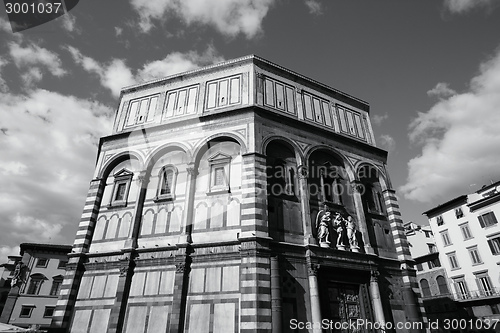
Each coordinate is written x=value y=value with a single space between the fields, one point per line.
x=467 y=237
x=435 y=289
x=240 y=197
x=35 y=280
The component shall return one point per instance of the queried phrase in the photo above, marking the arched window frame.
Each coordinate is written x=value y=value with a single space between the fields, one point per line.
x=56 y=285
x=426 y=288
x=35 y=285
x=442 y=285
x=162 y=176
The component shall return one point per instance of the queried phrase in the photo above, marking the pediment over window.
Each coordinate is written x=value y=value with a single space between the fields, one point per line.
x=123 y=173
x=219 y=157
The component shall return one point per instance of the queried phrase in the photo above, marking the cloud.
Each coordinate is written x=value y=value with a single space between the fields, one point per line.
x=69 y=23
x=387 y=142
x=3 y=84
x=177 y=62
x=315 y=7
x=118 y=31
x=462 y=6
x=6 y=251
x=48 y=148
x=378 y=119
x=460 y=139
x=229 y=17
x=115 y=75
x=33 y=58
x=441 y=90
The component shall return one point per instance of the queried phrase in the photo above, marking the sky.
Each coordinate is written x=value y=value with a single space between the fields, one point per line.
x=430 y=71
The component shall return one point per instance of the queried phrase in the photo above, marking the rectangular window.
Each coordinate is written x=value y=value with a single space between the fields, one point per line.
x=120 y=192
x=26 y=311
x=280 y=96
x=121 y=186
x=141 y=110
x=474 y=255
x=49 y=311
x=446 y=238
x=461 y=288
x=494 y=244
x=219 y=176
x=42 y=262
x=223 y=92
x=219 y=173
x=484 y=284
x=432 y=248
x=419 y=267
x=459 y=213
x=62 y=264
x=487 y=219
x=439 y=220
x=466 y=231
x=452 y=257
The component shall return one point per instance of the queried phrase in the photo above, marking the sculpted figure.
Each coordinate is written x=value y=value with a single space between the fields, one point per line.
x=322 y=225
x=17 y=276
x=340 y=224
x=351 y=233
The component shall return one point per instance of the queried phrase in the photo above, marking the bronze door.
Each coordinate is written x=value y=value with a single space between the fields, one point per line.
x=345 y=308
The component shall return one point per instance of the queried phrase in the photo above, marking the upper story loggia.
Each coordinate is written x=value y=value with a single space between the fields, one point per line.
x=249 y=81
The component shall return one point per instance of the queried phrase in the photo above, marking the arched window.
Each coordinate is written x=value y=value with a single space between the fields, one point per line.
x=166 y=185
x=442 y=285
x=426 y=290
x=56 y=285
x=36 y=281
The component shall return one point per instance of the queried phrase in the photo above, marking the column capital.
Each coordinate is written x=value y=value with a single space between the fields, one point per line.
x=312 y=269
x=142 y=176
x=192 y=171
x=374 y=274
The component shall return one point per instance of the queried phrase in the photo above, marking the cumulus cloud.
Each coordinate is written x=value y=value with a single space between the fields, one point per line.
x=6 y=251
x=462 y=6
x=115 y=75
x=32 y=59
x=315 y=7
x=177 y=62
x=460 y=139
x=68 y=22
x=48 y=148
x=379 y=119
x=387 y=142
x=441 y=90
x=229 y=17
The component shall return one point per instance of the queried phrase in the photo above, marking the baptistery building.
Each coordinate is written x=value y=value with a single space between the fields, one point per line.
x=239 y=197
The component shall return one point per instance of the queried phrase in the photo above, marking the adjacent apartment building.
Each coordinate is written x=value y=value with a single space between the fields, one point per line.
x=467 y=236
x=35 y=281
x=435 y=288
x=240 y=197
